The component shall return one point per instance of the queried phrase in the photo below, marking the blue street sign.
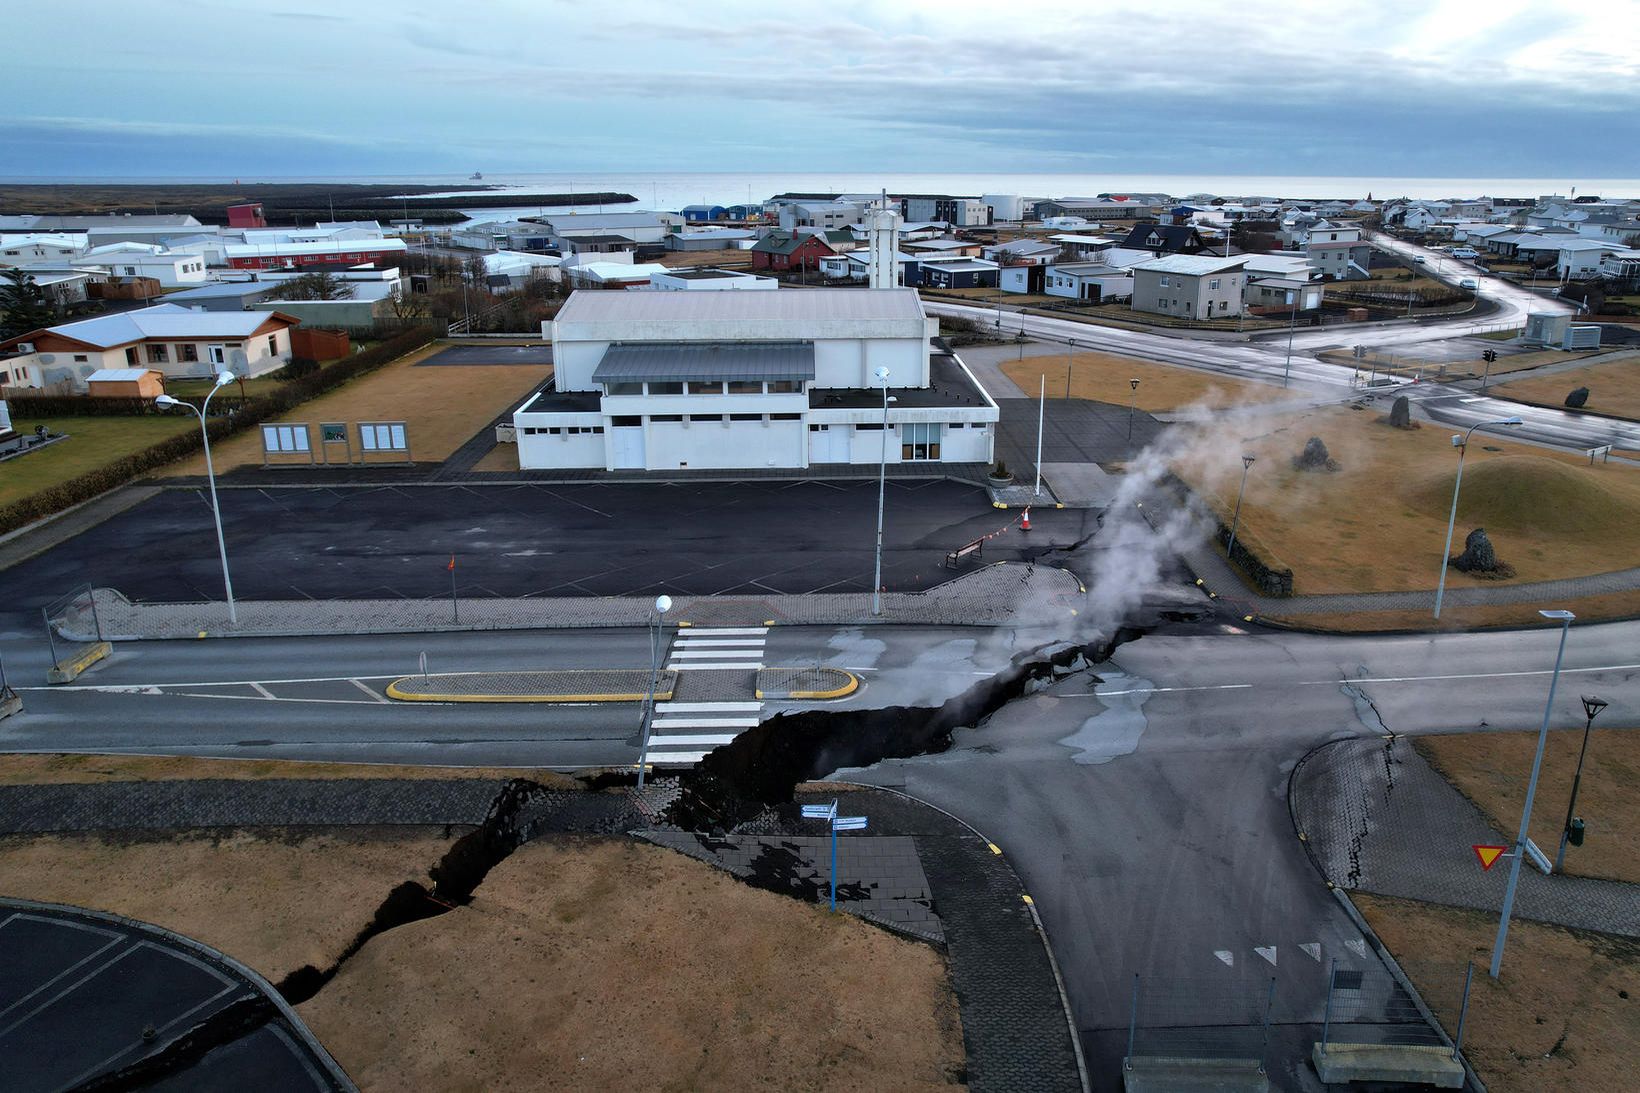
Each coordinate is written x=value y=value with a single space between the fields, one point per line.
x=820 y=812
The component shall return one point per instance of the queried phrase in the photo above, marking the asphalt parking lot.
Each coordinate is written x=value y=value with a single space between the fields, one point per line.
x=1074 y=431
x=489 y=355
x=696 y=538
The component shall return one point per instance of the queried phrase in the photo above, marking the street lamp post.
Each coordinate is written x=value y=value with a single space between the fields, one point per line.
x=1462 y=444
x=1565 y=619
x=1235 y=521
x=1069 y=358
x=1133 y=397
x=1591 y=707
x=663 y=604
x=166 y=402
x=881 y=376
x=1292 y=325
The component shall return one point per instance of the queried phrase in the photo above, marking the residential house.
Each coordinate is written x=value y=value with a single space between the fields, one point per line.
x=744 y=380
x=1270 y=277
x=1189 y=286
x=1580 y=259
x=1022 y=252
x=948 y=247
x=963 y=273
x=784 y=250
x=167 y=338
x=1623 y=265
x=64 y=285
x=1418 y=218
x=1090 y=282
x=222 y=295
x=30 y=248
x=172 y=269
x=1083 y=247
x=710 y=280
x=1160 y=239
x=1348 y=260
x=856 y=266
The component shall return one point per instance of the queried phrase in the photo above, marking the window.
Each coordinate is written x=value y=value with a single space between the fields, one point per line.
x=80 y=358
x=131 y=355
x=273 y=344
x=623 y=388
x=130 y=271
x=1213 y=284
x=784 y=387
x=785 y=417
x=554 y=432
x=745 y=417
x=157 y=354
x=704 y=418
x=705 y=387
x=657 y=418
x=1161 y=304
x=1163 y=281
x=625 y=421
x=667 y=387
x=187 y=351
x=867 y=428
x=920 y=440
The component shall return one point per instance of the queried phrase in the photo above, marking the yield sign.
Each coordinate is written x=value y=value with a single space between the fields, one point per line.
x=1488 y=855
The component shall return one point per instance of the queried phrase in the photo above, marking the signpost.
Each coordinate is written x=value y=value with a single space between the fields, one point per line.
x=1488 y=855
x=837 y=823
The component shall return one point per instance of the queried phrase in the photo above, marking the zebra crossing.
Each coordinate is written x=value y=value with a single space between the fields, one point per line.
x=682 y=732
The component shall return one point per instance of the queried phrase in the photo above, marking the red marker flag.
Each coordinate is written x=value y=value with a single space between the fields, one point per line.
x=452 y=565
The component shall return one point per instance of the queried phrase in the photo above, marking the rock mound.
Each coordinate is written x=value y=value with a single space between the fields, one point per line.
x=1479 y=559
x=1314 y=457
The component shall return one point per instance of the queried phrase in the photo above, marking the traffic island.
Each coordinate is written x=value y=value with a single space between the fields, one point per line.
x=811 y=684
x=566 y=685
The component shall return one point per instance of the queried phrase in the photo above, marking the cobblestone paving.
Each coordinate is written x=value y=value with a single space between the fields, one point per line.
x=992 y=596
x=782 y=682
x=878 y=878
x=606 y=681
x=1380 y=819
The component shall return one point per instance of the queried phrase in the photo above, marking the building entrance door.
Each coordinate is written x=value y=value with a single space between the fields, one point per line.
x=626 y=448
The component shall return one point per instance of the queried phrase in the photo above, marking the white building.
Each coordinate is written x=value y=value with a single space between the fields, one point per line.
x=1580 y=258
x=1189 y=286
x=670 y=380
x=31 y=248
x=710 y=280
x=172 y=269
x=1005 y=206
x=1087 y=281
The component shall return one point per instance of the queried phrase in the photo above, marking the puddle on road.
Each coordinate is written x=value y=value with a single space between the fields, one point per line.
x=1115 y=730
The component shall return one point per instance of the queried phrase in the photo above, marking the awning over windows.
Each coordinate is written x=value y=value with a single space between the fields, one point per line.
x=674 y=361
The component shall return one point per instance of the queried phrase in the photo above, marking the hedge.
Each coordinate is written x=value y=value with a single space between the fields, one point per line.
x=253 y=412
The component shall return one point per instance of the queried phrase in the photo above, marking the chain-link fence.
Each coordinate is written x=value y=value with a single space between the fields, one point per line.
x=74 y=631
x=1369 y=1006
x=1226 y=1020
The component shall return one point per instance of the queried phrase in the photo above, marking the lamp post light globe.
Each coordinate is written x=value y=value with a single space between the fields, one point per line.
x=224 y=378
x=663 y=604
x=165 y=402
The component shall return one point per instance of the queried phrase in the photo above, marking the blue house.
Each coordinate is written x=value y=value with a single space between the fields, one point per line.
x=697 y=213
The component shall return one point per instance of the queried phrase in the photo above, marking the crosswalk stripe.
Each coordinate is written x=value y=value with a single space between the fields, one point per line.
x=722 y=643
x=703 y=723
x=726 y=631
x=715 y=654
x=738 y=666
x=689 y=741
x=678 y=758
x=708 y=707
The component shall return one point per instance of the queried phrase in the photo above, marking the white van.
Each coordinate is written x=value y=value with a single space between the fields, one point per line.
x=1465 y=252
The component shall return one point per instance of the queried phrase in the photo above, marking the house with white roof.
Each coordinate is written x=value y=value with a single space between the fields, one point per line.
x=1190 y=286
x=172 y=269
x=27 y=248
x=174 y=340
x=1580 y=258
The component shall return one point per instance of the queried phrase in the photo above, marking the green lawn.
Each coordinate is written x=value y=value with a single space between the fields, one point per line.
x=92 y=442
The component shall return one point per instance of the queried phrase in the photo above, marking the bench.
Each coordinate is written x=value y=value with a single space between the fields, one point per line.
x=956 y=556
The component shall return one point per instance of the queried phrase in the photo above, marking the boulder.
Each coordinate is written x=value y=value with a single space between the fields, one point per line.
x=1479 y=558
x=1400 y=412
x=1314 y=457
x=1577 y=398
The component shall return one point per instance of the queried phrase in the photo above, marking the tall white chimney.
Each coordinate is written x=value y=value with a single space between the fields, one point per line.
x=883 y=233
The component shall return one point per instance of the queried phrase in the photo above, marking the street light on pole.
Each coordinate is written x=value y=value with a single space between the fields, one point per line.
x=1235 y=521
x=1462 y=444
x=166 y=402
x=1292 y=325
x=1133 y=397
x=881 y=376
x=663 y=604
x=1591 y=707
x=1565 y=619
x=1069 y=358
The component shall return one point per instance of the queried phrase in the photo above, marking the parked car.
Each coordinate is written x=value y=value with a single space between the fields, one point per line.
x=1466 y=252
x=1419 y=260
x=1469 y=283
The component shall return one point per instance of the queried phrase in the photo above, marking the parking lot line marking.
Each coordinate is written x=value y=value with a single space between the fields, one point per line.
x=707 y=707
x=373 y=694
x=689 y=741
x=261 y=690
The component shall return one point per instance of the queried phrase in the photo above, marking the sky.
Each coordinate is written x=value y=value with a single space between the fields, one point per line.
x=271 y=88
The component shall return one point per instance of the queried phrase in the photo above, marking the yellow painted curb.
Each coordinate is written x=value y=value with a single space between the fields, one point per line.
x=1026 y=898
x=848 y=688
x=995 y=849
x=411 y=696
x=683 y=624
x=998 y=505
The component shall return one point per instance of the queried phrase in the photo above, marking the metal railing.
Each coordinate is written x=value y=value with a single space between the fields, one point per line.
x=1369 y=1006
x=73 y=624
x=1200 y=1018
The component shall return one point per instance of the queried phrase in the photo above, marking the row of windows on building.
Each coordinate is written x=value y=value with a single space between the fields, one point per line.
x=1166 y=305
x=707 y=387
x=186 y=352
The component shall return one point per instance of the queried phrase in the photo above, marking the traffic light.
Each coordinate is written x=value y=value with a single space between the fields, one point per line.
x=1489 y=356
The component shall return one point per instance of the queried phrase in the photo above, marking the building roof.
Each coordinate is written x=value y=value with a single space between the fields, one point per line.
x=965 y=265
x=166 y=321
x=718 y=233
x=788 y=242
x=48 y=239
x=676 y=361
x=118 y=375
x=324 y=246
x=817 y=304
x=938 y=244
x=617 y=271
x=1192 y=265
x=1087 y=269
x=223 y=289
x=1322 y=244
x=563 y=222
x=1025 y=247
x=1167 y=236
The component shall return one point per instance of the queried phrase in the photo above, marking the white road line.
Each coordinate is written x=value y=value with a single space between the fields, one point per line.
x=682 y=758
x=1312 y=949
x=722 y=631
x=748 y=666
x=703 y=723
x=688 y=741
x=708 y=707
x=721 y=643
x=117 y=687
x=1226 y=955
x=1357 y=946
x=261 y=690
x=373 y=694
x=1267 y=952
x=1363 y=679
x=715 y=654
x=1159 y=690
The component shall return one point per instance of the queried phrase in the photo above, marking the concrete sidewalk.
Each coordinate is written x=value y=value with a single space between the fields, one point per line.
x=1000 y=594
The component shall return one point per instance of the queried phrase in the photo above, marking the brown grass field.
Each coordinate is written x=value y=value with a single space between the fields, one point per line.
x=1104 y=377
x=1492 y=769
x=1611 y=605
x=1560 y=1019
x=1614 y=387
x=609 y=964
x=1379 y=522
x=444 y=406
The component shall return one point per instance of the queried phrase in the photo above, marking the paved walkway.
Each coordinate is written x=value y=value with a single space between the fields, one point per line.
x=994 y=595
x=954 y=889
x=1378 y=818
x=552 y=685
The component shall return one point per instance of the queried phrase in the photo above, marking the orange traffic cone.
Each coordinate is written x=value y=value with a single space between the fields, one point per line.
x=1025 y=521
